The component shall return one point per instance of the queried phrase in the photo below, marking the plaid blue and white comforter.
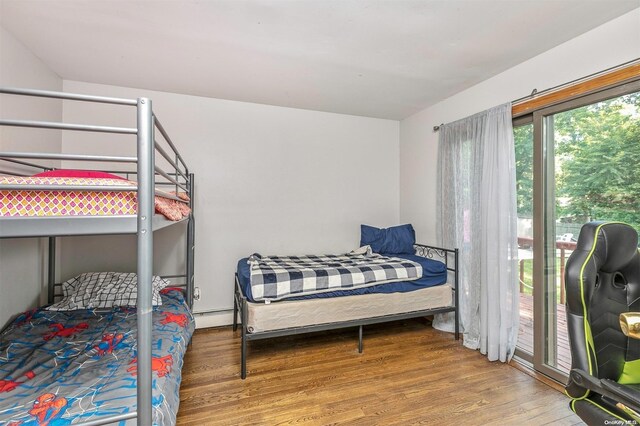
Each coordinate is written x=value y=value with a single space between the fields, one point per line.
x=67 y=367
x=280 y=277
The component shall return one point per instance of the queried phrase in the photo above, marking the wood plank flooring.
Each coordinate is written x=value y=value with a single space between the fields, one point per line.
x=408 y=374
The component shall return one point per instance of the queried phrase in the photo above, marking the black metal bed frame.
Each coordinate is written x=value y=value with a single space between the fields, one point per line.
x=240 y=306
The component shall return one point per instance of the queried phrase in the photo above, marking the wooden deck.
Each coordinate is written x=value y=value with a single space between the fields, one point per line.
x=525 y=337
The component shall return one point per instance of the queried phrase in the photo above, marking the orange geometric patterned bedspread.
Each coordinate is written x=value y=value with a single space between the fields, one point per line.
x=78 y=203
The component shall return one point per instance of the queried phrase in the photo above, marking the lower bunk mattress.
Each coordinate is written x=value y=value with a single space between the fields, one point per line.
x=67 y=367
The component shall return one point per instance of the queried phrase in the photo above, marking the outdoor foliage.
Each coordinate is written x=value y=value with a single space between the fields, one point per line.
x=597 y=154
x=598 y=161
x=523 y=139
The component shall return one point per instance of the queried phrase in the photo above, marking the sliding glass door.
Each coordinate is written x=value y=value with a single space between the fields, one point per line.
x=523 y=142
x=585 y=166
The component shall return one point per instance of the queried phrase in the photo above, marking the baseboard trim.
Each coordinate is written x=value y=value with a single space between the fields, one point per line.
x=213 y=319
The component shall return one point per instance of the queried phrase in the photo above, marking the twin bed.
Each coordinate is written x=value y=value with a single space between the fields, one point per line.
x=109 y=347
x=279 y=296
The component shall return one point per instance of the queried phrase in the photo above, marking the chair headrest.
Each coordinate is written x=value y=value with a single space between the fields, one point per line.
x=616 y=243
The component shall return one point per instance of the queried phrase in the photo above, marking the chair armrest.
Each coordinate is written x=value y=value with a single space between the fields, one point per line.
x=585 y=380
x=626 y=395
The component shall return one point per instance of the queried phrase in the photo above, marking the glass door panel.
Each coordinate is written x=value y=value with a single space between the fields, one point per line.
x=587 y=176
x=523 y=141
x=575 y=162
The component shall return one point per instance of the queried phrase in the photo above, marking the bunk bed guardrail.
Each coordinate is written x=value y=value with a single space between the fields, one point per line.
x=146 y=172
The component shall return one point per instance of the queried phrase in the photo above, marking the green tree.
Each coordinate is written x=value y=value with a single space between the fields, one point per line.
x=598 y=161
x=523 y=141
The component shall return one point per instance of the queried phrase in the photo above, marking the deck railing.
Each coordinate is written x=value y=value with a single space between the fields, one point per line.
x=565 y=247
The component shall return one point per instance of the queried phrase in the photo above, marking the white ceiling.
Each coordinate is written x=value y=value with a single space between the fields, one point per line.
x=377 y=58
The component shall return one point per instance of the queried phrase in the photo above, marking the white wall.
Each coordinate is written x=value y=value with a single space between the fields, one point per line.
x=611 y=44
x=271 y=179
x=268 y=179
x=21 y=261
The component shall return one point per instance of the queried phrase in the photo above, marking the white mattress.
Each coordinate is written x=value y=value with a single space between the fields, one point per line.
x=298 y=313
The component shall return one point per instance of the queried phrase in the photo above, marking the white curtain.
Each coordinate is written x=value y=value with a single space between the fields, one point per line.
x=477 y=213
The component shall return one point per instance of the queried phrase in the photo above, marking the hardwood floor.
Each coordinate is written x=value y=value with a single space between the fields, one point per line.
x=408 y=374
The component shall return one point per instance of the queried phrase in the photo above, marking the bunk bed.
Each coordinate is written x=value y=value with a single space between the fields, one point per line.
x=343 y=308
x=142 y=322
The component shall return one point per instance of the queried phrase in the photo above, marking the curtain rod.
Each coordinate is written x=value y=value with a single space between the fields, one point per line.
x=535 y=92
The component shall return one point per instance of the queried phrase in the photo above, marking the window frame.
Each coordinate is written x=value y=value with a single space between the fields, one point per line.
x=543 y=187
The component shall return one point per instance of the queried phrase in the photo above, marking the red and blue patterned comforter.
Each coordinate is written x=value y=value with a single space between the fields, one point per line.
x=66 y=367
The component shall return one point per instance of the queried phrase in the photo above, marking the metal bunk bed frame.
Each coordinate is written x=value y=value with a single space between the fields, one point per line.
x=143 y=223
x=240 y=303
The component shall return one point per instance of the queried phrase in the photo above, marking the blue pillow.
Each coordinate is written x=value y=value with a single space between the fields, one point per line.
x=389 y=241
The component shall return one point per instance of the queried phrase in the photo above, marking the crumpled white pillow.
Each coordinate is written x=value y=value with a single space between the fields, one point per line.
x=94 y=290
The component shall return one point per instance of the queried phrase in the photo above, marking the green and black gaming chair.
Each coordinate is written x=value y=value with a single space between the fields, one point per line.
x=602 y=279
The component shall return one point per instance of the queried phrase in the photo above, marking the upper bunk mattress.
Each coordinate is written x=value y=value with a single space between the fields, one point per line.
x=433 y=273
x=41 y=203
x=66 y=367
